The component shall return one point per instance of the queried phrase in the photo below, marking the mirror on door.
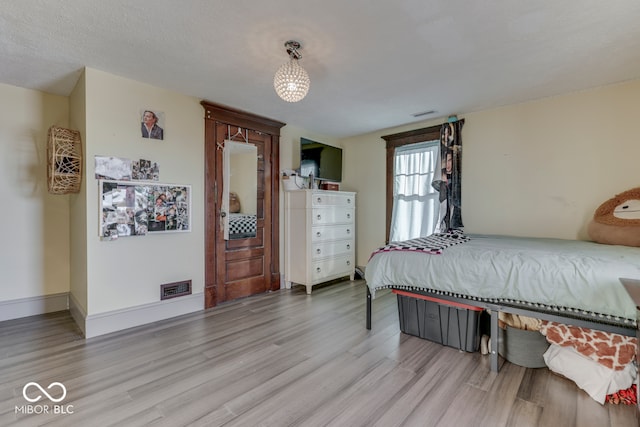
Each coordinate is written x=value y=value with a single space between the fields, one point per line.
x=239 y=196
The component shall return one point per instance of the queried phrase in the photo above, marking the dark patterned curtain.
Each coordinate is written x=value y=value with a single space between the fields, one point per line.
x=449 y=183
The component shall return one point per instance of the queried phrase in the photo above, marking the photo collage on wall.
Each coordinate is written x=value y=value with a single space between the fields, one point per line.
x=122 y=169
x=136 y=209
x=145 y=170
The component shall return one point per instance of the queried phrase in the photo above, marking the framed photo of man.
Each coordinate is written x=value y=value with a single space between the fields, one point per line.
x=152 y=124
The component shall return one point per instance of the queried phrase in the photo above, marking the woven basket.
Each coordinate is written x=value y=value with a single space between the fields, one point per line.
x=64 y=160
x=523 y=348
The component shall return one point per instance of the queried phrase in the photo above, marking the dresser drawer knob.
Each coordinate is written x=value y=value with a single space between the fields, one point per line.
x=348 y=231
x=318 y=217
x=319 y=200
x=349 y=216
x=348 y=201
x=317 y=269
x=318 y=251
x=348 y=262
x=348 y=246
x=318 y=234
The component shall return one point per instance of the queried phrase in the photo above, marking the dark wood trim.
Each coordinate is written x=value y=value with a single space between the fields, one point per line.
x=412 y=136
x=210 y=290
x=275 y=209
x=217 y=113
x=244 y=119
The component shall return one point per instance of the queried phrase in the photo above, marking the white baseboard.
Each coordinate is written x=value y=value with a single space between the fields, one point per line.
x=23 y=307
x=78 y=313
x=102 y=323
x=94 y=325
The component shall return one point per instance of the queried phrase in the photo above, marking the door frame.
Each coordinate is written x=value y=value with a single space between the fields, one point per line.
x=216 y=113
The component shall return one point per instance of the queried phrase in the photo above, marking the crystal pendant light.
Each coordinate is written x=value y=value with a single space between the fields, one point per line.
x=291 y=81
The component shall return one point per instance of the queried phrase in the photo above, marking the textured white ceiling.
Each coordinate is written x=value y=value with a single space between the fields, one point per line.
x=372 y=63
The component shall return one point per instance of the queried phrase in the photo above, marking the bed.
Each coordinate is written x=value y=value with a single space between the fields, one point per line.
x=242 y=226
x=572 y=282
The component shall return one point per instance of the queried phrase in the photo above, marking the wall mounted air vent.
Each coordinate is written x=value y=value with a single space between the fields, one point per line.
x=176 y=289
x=423 y=113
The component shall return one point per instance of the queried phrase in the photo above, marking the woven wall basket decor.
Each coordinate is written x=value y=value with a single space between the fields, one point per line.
x=64 y=160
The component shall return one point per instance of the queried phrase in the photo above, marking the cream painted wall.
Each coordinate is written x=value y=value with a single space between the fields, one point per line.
x=77 y=202
x=34 y=255
x=290 y=160
x=534 y=169
x=46 y=254
x=129 y=271
x=290 y=144
x=243 y=179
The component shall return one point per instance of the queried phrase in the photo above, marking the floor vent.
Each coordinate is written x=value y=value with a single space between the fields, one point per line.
x=176 y=289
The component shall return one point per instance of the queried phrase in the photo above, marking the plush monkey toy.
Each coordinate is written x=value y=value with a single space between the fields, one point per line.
x=617 y=221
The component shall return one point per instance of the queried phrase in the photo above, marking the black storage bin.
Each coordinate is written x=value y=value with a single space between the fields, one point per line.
x=451 y=324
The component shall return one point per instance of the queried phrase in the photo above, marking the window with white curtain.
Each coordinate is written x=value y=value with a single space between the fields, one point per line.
x=415 y=202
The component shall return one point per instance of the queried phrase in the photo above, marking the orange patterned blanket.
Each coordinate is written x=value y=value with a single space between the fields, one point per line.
x=611 y=350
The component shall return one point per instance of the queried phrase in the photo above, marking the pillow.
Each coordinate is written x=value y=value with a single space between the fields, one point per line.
x=597 y=380
x=617 y=221
x=519 y=321
x=611 y=350
x=234 y=203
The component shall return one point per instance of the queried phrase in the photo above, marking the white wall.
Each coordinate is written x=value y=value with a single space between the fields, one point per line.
x=77 y=203
x=290 y=159
x=128 y=272
x=51 y=245
x=290 y=144
x=34 y=249
x=533 y=169
x=243 y=177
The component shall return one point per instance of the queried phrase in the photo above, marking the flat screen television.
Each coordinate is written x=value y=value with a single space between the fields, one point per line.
x=322 y=160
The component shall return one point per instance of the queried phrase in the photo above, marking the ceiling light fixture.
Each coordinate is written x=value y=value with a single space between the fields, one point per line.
x=291 y=81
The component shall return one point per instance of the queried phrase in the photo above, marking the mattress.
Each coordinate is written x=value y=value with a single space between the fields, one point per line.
x=564 y=276
x=242 y=225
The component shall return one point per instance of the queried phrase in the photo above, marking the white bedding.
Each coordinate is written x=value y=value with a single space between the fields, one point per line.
x=597 y=380
x=570 y=274
x=242 y=225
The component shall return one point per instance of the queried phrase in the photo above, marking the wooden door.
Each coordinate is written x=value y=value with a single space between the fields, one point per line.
x=247 y=266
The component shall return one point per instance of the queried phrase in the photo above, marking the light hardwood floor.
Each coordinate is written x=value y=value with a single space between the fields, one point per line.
x=279 y=359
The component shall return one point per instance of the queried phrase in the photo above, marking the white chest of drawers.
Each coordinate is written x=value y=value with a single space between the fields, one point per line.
x=319 y=236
